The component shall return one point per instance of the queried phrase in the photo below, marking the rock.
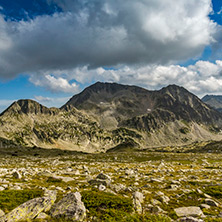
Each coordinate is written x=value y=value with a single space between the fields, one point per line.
x=205 y=206
x=118 y=187
x=157 y=210
x=97 y=182
x=2 y=188
x=2 y=213
x=156 y=180
x=188 y=211
x=102 y=187
x=16 y=175
x=64 y=179
x=103 y=179
x=103 y=176
x=189 y=219
x=211 y=202
x=139 y=196
x=31 y=208
x=42 y=216
x=162 y=197
x=51 y=194
x=70 y=207
x=155 y=202
x=129 y=172
x=137 y=200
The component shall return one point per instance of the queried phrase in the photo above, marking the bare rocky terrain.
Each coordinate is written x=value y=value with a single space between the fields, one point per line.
x=123 y=186
x=108 y=116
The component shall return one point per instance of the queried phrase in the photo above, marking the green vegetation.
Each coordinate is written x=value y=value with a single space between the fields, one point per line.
x=107 y=206
x=10 y=199
x=214 y=191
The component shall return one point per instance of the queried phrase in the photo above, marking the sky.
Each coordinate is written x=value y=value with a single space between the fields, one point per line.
x=53 y=49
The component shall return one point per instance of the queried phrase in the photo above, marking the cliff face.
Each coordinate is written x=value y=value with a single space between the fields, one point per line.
x=107 y=115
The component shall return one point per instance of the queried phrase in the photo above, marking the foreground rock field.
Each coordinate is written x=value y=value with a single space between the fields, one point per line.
x=131 y=186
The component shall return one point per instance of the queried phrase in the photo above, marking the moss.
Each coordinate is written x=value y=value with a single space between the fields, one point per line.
x=213 y=219
x=10 y=199
x=106 y=206
x=53 y=180
x=214 y=191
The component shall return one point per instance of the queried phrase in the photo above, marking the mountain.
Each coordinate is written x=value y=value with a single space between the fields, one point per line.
x=112 y=116
x=27 y=106
x=214 y=101
x=114 y=104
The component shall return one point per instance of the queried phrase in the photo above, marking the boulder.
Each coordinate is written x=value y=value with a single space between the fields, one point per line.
x=16 y=175
x=189 y=219
x=2 y=213
x=70 y=207
x=211 y=202
x=188 y=211
x=103 y=176
x=31 y=209
x=102 y=187
x=137 y=200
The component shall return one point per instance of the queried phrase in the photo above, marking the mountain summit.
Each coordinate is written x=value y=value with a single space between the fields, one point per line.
x=114 y=103
x=111 y=115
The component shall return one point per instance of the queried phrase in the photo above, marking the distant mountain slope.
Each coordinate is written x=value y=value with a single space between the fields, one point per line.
x=111 y=115
x=27 y=106
x=214 y=101
x=113 y=104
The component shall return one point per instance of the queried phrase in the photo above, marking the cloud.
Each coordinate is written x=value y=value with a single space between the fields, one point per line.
x=105 y=34
x=201 y=78
x=43 y=99
x=54 y=84
x=51 y=102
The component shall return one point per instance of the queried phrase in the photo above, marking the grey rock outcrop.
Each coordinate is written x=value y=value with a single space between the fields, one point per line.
x=188 y=211
x=70 y=207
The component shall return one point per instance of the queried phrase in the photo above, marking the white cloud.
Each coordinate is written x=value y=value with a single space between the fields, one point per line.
x=106 y=33
x=54 y=84
x=201 y=78
x=51 y=102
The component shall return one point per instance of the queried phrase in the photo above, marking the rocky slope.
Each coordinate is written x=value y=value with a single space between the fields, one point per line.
x=110 y=115
x=213 y=101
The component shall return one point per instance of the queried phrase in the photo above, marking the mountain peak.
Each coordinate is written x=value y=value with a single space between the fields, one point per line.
x=27 y=106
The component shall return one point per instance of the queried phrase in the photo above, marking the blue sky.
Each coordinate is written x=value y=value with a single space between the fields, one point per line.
x=52 y=49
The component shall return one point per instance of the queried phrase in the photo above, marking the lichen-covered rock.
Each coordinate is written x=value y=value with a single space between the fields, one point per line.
x=42 y=216
x=70 y=207
x=188 y=211
x=31 y=208
x=137 y=200
x=2 y=213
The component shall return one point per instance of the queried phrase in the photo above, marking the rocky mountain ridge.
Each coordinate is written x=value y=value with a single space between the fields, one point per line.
x=214 y=101
x=109 y=115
